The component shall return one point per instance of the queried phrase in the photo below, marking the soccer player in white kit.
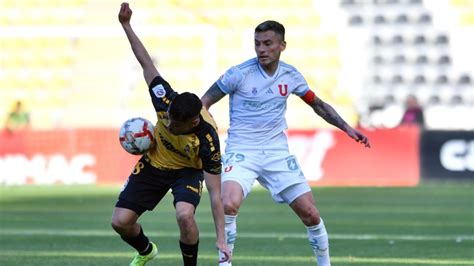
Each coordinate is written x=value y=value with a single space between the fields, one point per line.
x=256 y=147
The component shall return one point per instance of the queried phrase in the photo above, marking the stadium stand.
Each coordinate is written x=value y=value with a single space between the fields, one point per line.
x=413 y=51
x=69 y=61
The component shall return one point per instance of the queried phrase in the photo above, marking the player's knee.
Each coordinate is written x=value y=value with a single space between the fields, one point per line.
x=310 y=216
x=119 y=225
x=230 y=207
x=185 y=220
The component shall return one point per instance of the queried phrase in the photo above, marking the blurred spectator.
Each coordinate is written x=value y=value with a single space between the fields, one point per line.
x=413 y=114
x=18 y=118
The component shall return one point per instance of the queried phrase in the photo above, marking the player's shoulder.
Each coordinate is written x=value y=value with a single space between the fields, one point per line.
x=208 y=123
x=161 y=88
x=209 y=150
x=287 y=67
x=237 y=72
x=245 y=68
x=206 y=131
x=247 y=64
x=161 y=93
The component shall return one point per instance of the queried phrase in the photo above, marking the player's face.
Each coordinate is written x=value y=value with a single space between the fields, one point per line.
x=177 y=127
x=268 y=46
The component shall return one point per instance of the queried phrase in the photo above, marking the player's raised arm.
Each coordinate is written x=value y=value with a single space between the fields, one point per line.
x=330 y=115
x=212 y=95
x=149 y=69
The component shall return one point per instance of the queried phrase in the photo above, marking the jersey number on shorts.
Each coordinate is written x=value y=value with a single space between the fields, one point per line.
x=234 y=157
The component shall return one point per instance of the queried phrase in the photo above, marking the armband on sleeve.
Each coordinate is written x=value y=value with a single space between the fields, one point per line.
x=308 y=97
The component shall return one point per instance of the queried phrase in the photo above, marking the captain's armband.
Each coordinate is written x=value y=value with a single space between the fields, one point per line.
x=308 y=97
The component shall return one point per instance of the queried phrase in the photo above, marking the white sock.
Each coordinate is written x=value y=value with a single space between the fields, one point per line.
x=318 y=239
x=230 y=235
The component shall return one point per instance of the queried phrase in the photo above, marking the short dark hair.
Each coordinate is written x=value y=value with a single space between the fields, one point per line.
x=185 y=106
x=272 y=25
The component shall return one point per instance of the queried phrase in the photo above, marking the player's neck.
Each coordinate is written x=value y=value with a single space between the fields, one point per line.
x=270 y=69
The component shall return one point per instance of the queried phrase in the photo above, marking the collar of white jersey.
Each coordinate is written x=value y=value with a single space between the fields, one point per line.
x=264 y=74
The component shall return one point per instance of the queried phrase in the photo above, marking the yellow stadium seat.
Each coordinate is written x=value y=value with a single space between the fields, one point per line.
x=461 y=3
x=467 y=19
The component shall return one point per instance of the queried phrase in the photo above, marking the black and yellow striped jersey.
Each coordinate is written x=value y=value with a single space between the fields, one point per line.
x=200 y=149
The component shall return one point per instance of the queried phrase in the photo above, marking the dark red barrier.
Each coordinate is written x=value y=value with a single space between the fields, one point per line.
x=80 y=156
x=88 y=156
x=332 y=158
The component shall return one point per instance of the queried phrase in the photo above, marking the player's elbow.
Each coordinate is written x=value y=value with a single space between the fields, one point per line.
x=205 y=102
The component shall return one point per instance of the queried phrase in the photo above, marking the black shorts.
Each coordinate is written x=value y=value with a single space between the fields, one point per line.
x=147 y=185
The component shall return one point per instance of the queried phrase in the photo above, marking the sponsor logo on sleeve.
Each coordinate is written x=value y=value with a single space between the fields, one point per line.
x=159 y=91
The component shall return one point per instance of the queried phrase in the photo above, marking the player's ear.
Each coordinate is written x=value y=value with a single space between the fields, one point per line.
x=283 y=45
x=196 y=121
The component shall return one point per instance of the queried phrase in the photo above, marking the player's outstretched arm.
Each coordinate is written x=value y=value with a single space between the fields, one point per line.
x=149 y=69
x=330 y=115
x=212 y=95
x=213 y=185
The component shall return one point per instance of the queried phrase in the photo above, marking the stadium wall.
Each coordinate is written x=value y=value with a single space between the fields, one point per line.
x=94 y=156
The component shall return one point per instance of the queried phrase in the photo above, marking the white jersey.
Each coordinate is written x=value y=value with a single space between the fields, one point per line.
x=257 y=104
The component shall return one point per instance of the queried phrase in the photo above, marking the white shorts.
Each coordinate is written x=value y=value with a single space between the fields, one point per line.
x=277 y=171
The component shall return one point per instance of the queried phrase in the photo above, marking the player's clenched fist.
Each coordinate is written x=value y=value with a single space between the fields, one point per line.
x=125 y=13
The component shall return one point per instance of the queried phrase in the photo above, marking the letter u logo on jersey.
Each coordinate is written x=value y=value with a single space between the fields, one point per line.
x=283 y=88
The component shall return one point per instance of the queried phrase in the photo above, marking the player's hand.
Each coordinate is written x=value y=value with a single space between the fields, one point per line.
x=224 y=250
x=359 y=137
x=125 y=13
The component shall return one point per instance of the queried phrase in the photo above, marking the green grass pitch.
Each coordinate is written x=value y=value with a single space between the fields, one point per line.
x=432 y=224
